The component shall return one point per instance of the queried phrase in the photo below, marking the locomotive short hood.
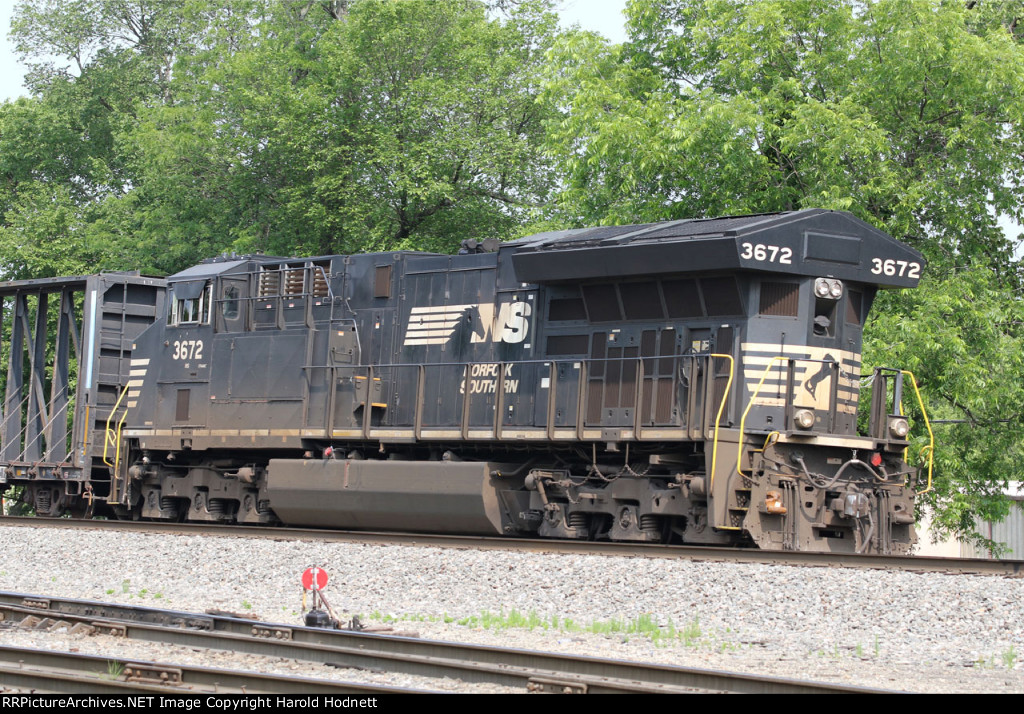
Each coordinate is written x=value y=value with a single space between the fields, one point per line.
x=808 y=242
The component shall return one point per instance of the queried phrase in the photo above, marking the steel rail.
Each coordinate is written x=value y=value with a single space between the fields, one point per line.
x=73 y=673
x=528 y=670
x=911 y=563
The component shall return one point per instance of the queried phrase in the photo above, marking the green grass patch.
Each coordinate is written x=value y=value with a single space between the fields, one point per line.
x=646 y=626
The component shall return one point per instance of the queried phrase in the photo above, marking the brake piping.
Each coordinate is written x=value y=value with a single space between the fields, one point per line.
x=820 y=481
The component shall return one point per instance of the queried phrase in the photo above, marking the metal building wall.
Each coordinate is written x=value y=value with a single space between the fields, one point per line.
x=1010 y=531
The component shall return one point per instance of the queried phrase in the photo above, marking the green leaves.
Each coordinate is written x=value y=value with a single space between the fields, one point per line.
x=960 y=333
x=178 y=130
x=42 y=241
x=404 y=124
x=432 y=120
x=905 y=113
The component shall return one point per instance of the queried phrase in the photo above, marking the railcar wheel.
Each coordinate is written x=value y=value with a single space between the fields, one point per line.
x=79 y=508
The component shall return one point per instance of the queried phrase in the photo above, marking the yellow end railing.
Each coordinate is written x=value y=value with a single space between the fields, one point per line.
x=113 y=437
x=750 y=404
x=718 y=417
x=930 y=448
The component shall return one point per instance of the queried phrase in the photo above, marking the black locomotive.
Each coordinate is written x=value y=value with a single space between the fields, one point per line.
x=693 y=381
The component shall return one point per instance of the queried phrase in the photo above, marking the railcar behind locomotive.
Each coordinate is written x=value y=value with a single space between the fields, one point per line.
x=690 y=381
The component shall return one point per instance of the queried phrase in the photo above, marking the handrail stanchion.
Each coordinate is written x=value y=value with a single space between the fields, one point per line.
x=721 y=408
x=930 y=448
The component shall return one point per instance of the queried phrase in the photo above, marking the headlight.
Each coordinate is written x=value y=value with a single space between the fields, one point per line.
x=828 y=288
x=899 y=427
x=804 y=418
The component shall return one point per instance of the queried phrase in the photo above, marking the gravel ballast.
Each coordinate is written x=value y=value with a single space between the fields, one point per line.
x=894 y=630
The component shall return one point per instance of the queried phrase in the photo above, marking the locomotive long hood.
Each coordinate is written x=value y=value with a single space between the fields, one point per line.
x=809 y=242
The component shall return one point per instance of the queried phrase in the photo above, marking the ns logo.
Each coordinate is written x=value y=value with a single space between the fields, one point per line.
x=457 y=325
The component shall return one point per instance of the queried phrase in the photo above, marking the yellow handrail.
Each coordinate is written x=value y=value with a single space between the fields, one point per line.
x=113 y=496
x=743 y=419
x=930 y=448
x=718 y=417
x=772 y=437
x=109 y=433
x=117 y=451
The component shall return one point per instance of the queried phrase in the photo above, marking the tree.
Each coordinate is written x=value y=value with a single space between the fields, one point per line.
x=908 y=113
x=391 y=125
x=46 y=181
x=962 y=336
x=177 y=130
x=93 y=67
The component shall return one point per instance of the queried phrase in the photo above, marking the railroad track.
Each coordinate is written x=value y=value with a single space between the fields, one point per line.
x=931 y=564
x=71 y=673
x=526 y=671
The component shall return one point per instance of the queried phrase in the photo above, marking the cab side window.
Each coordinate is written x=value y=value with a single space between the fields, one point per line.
x=189 y=304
